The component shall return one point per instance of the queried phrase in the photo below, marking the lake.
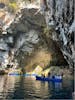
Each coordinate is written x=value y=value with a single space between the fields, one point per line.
x=21 y=87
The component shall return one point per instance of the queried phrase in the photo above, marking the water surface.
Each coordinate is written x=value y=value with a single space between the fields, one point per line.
x=20 y=87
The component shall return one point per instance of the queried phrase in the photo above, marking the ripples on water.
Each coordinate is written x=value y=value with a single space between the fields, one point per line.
x=19 y=87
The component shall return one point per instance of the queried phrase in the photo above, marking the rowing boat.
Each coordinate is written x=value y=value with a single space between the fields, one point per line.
x=55 y=79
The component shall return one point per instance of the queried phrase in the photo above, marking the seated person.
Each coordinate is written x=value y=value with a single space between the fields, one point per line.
x=43 y=75
x=49 y=74
x=53 y=76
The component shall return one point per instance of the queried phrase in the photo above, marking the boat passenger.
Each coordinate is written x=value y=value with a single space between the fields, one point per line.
x=62 y=74
x=53 y=76
x=49 y=74
x=43 y=75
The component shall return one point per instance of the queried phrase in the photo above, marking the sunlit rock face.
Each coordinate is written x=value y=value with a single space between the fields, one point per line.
x=60 y=16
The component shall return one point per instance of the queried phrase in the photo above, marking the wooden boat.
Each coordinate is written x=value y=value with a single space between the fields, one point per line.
x=55 y=79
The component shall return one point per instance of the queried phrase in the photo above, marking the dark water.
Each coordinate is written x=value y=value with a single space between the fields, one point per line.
x=20 y=87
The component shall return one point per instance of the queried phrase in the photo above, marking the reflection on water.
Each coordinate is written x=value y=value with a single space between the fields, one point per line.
x=19 y=87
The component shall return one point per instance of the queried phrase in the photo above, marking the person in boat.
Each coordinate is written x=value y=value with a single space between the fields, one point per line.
x=43 y=75
x=49 y=74
x=62 y=75
x=59 y=76
x=53 y=76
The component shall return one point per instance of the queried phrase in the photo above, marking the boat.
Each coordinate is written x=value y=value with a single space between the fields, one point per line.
x=14 y=74
x=18 y=74
x=55 y=79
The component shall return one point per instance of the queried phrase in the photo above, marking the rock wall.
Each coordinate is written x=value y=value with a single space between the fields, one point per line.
x=60 y=17
x=25 y=40
x=6 y=42
x=30 y=43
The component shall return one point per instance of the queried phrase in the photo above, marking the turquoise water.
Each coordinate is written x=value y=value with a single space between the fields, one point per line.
x=21 y=87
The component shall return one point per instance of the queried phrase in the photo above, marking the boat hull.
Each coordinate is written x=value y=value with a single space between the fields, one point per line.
x=48 y=79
